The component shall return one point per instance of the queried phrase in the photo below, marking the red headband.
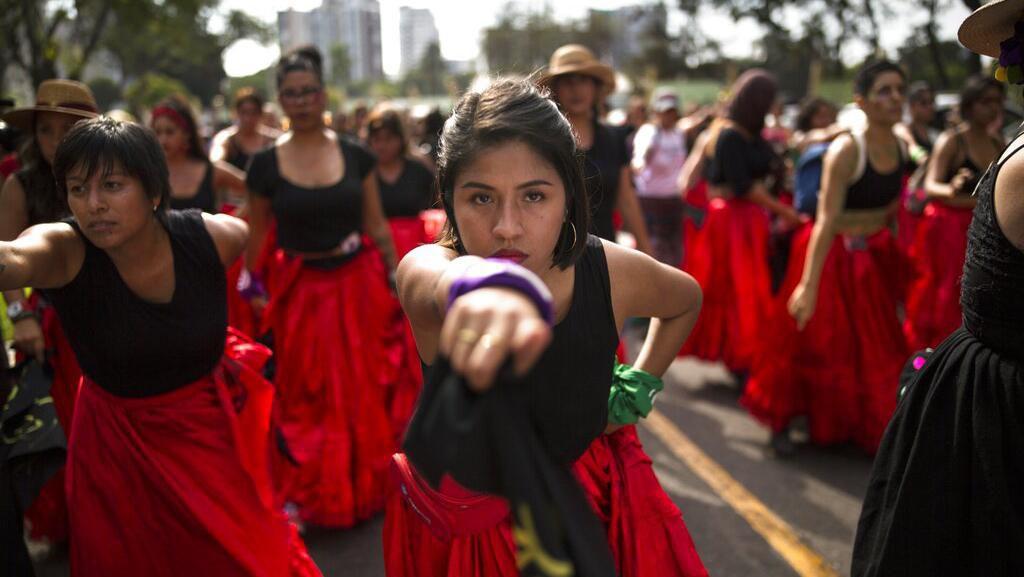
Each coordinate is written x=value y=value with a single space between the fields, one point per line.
x=172 y=115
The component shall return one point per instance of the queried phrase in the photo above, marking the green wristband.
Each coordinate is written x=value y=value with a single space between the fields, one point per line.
x=632 y=394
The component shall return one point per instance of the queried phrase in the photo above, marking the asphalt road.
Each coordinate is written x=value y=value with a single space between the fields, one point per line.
x=813 y=497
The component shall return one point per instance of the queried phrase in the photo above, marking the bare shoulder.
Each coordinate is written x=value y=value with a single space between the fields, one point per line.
x=229 y=235
x=1009 y=201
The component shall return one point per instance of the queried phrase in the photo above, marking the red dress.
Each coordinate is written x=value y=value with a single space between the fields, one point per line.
x=728 y=257
x=937 y=256
x=454 y=532
x=177 y=484
x=842 y=369
x=330 y=332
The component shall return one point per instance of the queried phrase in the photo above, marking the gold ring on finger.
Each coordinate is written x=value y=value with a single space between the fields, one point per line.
x=468 y=336
x=488 y=341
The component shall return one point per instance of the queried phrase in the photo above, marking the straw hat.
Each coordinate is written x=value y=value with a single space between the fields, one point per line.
x=64 y=96
x=578 y=59
x=988 y=26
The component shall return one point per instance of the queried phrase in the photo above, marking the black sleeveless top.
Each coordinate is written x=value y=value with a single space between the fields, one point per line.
x=134 y=348
x=602 y=167
x=739 y=161
x=204 y=198
x=990 y=290
x=569 y=386
x=971 y=184
x=873 y=189
x=313 y=219
x=410 y=194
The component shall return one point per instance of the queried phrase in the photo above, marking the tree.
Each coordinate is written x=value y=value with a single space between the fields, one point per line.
x=341 y=64
x=106 y=91
x=149 y=89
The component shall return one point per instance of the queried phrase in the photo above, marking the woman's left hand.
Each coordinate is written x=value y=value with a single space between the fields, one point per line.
x=801 y=305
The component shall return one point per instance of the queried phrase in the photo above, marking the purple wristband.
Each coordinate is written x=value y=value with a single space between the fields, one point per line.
x=250 y=285
x=497 y=272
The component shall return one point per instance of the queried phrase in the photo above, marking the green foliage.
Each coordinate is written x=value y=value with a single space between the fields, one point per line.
x=107 y=92
x=341 y=64
x=263 y=81
x=150 y=89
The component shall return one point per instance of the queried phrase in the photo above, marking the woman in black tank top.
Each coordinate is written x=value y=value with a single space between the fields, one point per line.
x=330 y=309
x=834 y=348
x=237 y=144
x=195 y=181
x=519 y=197
x=171 y=429
x=940 y=241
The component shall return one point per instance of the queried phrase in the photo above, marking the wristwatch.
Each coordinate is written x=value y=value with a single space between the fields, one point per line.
x=18 y=311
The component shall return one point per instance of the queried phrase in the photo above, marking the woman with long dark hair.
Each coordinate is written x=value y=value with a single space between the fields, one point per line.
x=169 y=440
x=960 y=158
x=833 y=348
x=31 y=197
x=196 y=182
x=329 y=304
x=514 y=278
x=729 y=256
x=944 y=493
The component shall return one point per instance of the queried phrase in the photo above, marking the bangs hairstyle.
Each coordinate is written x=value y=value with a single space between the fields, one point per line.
x=870 y=72
x=248 y=94
x=98 y=144
x=388 y=120
x=974 y=90
x=514 y=110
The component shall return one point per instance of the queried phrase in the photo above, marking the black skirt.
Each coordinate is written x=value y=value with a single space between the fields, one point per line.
x=946 y=493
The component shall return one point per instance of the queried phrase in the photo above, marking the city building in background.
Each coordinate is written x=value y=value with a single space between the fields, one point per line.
x=418 y=31
x=354 y=24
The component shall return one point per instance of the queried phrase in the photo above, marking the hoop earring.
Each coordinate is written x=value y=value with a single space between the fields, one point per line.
x=573 y=228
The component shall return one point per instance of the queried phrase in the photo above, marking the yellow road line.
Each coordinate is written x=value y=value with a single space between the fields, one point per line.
x=779 y=534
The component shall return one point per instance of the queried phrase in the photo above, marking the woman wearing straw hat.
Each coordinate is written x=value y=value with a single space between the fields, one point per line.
x=30 y=197
x=944 y=494
x=579 y=83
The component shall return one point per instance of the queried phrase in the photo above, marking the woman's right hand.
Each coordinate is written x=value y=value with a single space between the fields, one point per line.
x=963 y=176
x=801 y=305
x=486 y=326
x=28 y=337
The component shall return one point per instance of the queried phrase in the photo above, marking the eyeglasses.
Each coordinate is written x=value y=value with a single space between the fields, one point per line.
x=292 y=95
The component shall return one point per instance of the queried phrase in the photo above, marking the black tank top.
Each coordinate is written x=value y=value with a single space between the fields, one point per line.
x=569 y=386
x=135 y=348
x=873 y=189
x=203 y=199
x=602 y=167
x=990 y=294
x=410 y=194
x=970 y=185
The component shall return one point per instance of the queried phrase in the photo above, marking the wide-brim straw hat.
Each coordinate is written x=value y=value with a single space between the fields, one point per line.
x=990 y=25
x=63 y=96
x=578 y=59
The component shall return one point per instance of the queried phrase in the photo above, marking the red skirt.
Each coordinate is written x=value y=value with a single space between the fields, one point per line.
x=842 y=369
x=330 y=329
x=453 y=532
x=937 y=255
x=48 y=514
x=241 y=314
x=729 y=258
x=177 y=484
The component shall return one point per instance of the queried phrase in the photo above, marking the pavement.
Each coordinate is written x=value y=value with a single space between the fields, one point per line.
x=749 y=512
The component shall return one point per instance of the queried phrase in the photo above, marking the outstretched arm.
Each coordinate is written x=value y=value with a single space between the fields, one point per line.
x=44 y=256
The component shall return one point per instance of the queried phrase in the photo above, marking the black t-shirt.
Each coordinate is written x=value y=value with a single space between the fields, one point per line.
x=739 y=161
x=411 y=193
x=135 y=348
x=602 y=169
x=313 y=219
x=204 y=199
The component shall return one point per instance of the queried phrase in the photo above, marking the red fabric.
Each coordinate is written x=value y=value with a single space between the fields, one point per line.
x=178 y=484
x=330 y=339
x=646 y=532
x=937 y=255
x=843 y=368
x=241 y=314
x=729 y=258
x=48 y=514
x=697 y=197
x=9 y=164
x=433 y=222
x=408 y=233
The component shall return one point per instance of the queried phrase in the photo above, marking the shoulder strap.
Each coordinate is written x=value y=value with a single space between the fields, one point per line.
x=862 y=156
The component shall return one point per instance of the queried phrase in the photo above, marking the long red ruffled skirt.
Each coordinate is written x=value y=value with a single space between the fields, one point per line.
x=937 y=255
x=48 y=514
x=645 y=529
x=842 y=369
x=330 y=334
x=729 y=258
x=178 y=484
